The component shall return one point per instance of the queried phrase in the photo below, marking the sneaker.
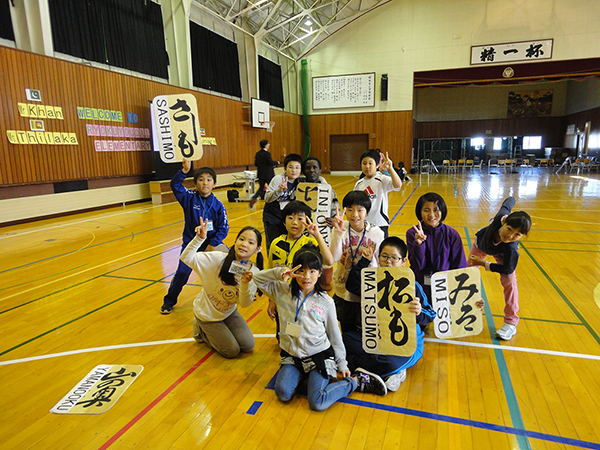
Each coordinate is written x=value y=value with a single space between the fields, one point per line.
x=253 y=202
x=166 y=309
x=506 y=332
x=392 y=383
x=369 y=382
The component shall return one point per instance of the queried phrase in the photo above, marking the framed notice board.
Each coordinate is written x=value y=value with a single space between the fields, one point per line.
x=344 y=91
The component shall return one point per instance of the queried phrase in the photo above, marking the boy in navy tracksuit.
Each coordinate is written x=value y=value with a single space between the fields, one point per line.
x=196 y=204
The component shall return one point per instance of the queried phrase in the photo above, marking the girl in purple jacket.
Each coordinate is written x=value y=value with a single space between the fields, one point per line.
x=433 y=246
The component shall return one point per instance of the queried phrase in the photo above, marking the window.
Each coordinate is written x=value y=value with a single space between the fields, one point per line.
x=497 y=143
x=477 y=143
x=532 y=142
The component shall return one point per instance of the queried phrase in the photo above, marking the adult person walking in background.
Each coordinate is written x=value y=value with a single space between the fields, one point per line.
x=264 y=163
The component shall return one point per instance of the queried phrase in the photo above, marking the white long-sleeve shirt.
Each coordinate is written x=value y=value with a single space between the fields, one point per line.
x=319 y=327
x=216 y=301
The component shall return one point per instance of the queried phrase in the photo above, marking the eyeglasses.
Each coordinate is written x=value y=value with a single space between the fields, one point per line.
x=393 y=259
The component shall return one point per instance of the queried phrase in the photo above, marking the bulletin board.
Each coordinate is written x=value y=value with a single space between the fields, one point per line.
x=344 y=91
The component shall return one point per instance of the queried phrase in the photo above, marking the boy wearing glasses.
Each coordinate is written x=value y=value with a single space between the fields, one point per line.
x=392 y=253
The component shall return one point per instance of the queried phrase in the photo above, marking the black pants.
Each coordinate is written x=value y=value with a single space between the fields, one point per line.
x=260 y=192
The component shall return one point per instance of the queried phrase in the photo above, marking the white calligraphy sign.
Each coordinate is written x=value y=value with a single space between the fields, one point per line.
x=454 y=294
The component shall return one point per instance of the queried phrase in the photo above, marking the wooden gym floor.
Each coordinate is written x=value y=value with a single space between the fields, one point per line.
x=84 y=290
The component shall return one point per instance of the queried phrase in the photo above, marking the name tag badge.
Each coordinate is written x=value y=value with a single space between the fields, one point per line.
x=238 y=268
x=209 y=226
x=427 y=280
x=292 y=329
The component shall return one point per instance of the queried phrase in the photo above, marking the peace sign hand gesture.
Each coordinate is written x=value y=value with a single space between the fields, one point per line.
x=387 y=163
x=202 y=229
x=288 y=273
x=283 y=185
x=338 y=220
x=369 y=251
x=311 y=227
x=420 y=237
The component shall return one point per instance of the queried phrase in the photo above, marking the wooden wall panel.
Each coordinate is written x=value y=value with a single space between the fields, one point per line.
x=70 y=85
x=389 y=131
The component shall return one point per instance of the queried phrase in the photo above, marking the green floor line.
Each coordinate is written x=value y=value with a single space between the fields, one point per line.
x=91 y=246
x=163 y=280
x=563 y=296
x=43 y=278
x=532 y=319
x=74 y=320
x=87 y=281
x=509 y=392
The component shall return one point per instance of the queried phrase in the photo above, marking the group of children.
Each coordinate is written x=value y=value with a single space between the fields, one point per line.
x=300 y=267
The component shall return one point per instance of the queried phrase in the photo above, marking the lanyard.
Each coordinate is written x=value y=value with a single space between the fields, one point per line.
x=288 y=191
x=300 y=305
x=352 y=254
x=204 y=207
x=291 y=248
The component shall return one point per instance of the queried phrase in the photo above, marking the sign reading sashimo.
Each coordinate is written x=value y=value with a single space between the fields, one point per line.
x=98 y=390
x=317 y=197
x=177 y=127
x=454 y=294
x=388 y=327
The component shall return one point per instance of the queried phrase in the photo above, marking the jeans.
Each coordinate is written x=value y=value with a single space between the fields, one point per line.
x=229 y=337
x=321 y=394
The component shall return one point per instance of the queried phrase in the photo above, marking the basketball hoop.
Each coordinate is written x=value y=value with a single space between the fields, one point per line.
x=269 y=125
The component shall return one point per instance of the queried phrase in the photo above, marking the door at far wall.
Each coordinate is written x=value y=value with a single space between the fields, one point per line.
x=346 y=150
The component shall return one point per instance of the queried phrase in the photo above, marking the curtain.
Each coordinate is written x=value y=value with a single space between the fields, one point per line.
x=271 y=86
x=215 y=62
x=6 y=28
x=122 y=33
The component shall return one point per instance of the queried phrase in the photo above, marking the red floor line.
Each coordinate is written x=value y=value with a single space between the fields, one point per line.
x=148 y=408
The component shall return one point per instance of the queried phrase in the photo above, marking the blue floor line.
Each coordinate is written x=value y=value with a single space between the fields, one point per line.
x=509 y=393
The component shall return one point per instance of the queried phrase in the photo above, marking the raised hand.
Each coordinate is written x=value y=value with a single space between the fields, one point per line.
x=186 y=165
x=387 y=163
x=288 y=273
x=202 y=229
x=283 y=186
x=369 y=251
x=420 y=237
x=338 y=220
x=311 y=227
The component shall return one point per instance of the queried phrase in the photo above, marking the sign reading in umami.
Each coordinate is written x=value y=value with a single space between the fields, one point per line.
x=99 y=390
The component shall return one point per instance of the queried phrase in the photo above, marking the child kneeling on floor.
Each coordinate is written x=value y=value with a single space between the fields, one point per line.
x=311 y=341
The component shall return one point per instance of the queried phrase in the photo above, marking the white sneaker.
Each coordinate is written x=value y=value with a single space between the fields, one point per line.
x=506 y=332
x=393 y=381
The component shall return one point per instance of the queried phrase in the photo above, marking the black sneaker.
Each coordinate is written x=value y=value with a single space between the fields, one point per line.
x=166 y=309
x=369 y=382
